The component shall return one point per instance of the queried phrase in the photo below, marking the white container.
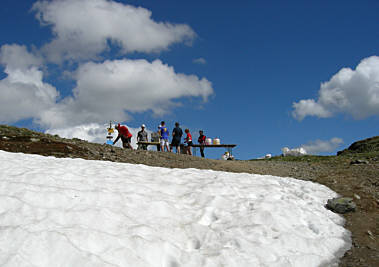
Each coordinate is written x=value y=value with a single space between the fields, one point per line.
x=208 y=141
x=216 y=141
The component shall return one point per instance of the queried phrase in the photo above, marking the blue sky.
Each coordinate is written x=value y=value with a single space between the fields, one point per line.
x=235 y=68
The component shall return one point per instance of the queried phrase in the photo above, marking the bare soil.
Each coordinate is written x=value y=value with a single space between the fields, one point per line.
x=359 y=181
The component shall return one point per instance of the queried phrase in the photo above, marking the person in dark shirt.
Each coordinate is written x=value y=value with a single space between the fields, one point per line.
x=201 y=141
x=176 y=138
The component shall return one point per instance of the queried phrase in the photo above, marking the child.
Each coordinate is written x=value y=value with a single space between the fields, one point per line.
x=188 y=140
x=201 y=141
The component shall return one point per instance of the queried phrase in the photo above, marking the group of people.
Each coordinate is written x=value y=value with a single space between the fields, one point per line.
x=161 y=137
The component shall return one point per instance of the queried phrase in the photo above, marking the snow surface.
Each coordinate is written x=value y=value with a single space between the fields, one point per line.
x=78 y=213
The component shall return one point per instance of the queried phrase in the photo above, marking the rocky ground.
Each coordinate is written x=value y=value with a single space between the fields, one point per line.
x=353 y=173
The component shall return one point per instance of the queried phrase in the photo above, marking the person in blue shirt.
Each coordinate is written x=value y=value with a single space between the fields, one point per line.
x=164 y=134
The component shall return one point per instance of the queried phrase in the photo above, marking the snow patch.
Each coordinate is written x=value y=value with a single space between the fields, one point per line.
x=73 y=212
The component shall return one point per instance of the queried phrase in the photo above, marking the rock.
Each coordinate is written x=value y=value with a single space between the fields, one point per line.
x=34 y=139
x=371 y=235
x=358 y=161
x=341 y=205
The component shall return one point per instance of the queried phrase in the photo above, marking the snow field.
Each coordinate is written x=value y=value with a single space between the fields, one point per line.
x=78 y=213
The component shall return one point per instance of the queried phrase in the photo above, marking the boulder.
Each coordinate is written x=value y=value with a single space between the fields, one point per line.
x=341 y=205
x=358 y=161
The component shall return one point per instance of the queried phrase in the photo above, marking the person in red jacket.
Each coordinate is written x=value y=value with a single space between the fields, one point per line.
x=125 y=135
x=188 y=140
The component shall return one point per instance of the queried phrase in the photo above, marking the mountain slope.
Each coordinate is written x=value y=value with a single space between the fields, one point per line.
x=359 y=181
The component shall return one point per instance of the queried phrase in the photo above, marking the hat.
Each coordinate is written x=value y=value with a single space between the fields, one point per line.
x=143 y=126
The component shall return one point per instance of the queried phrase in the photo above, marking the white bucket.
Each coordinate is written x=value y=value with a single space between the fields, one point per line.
x=216 y=141
x=208 y=141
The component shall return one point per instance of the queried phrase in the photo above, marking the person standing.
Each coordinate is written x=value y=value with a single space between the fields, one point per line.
x=125 y=135
x=177 y=134
x=201 y=141
x=142 y=137
x=155 y=137
x=163 y=131
x=188 y=140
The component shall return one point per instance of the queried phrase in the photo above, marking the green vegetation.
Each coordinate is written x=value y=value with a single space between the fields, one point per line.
x=363 y=149
x=305 y=158
x=368 y=147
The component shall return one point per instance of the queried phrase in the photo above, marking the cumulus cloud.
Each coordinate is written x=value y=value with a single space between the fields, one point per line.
x=108 y=90
x=113 y=89
x=200 y=61
x=319 y=146
x=353 y=92
x=93 y=132
x=23 y=94
x=83 y=29
x=18 y=57
x=314 y=147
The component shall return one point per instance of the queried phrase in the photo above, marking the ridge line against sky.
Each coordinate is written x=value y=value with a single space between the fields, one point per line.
x=239 y=74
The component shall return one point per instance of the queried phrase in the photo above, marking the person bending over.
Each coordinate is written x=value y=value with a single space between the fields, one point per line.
x=125 y=135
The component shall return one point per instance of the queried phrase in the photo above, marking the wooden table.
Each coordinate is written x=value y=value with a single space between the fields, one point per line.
x=148 y=143
x=229 y=147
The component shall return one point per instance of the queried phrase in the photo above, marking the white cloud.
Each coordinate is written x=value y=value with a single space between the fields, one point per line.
x=319 y=146
x=353 y=92
x=106 y=90
x=23 y=94
x=200 y=61
x=309 y=107
x=83 y=29
x=314 y=147
x=93 y=132
x=18 y=57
